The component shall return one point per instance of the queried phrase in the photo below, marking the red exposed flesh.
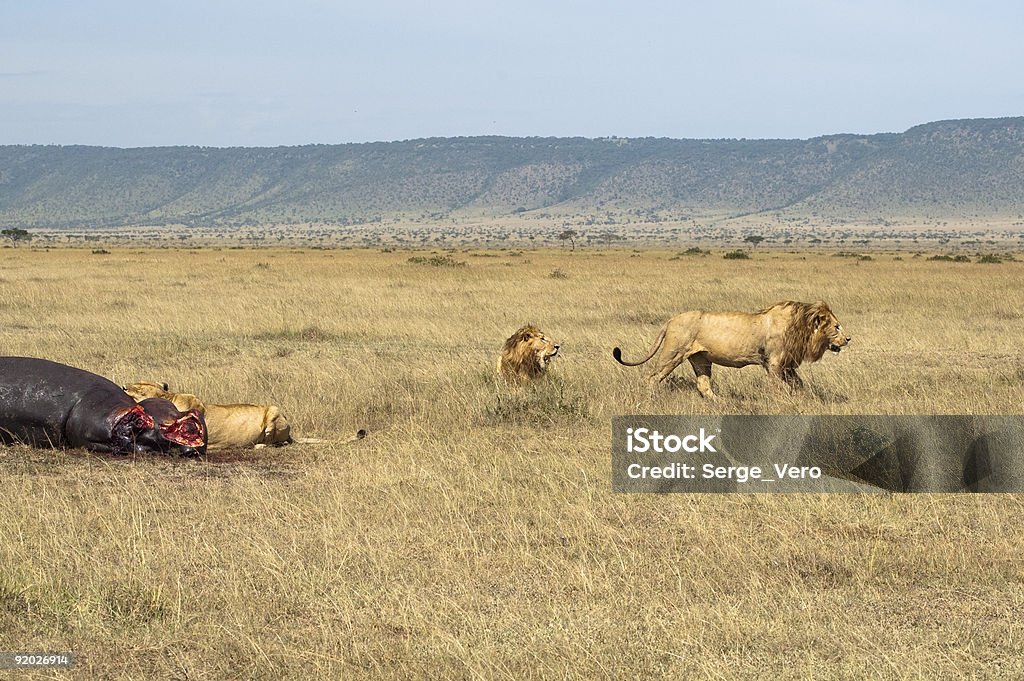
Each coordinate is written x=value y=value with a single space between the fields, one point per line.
x=134 y=420
x=188 y=431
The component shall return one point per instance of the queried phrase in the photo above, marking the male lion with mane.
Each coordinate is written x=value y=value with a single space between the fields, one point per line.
x=780 y=338
x=525 y=355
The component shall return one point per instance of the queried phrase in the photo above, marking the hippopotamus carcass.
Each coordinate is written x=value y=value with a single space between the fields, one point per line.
x=47 y=404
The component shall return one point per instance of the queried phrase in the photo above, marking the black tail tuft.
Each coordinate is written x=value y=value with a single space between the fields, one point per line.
x=617 y=354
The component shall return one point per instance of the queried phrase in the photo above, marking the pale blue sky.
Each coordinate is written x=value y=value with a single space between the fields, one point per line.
x=267 y=73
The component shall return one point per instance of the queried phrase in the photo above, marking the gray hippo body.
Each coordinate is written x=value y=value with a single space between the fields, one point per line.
x=47 y=404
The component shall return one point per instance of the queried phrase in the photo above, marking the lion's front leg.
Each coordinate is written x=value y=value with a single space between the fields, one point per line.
x=793 y=379
x=787 y=375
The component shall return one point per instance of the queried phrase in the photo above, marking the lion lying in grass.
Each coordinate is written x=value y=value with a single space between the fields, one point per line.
x=229 y=426
x=525 y=355
x=780 y=338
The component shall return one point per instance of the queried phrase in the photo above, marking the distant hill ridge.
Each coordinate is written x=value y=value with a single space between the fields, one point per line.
x=946 y=168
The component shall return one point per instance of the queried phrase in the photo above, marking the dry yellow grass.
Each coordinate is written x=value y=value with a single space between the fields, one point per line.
x=474 y=533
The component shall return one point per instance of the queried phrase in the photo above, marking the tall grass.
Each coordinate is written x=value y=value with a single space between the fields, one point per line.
x=474 y=533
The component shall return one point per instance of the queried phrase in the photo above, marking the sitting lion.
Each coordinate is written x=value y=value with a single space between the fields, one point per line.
x=525 y=355
x=779 y=338
x=228 y=426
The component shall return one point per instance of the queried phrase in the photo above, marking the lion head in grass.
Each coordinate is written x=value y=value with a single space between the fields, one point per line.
x=147 y=389
x=525 y=355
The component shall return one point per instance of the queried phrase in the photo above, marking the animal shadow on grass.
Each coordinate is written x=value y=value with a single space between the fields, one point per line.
x=675 y=383
x=229 y=463
x=217 y=464
x=824 y=394
x=758 y=392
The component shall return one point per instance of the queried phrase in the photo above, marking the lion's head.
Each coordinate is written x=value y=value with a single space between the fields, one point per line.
x=526 y=354
x=812 y=330
x=147 y=389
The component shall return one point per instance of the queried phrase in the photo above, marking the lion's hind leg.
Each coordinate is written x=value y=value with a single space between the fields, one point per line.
x=666 y=365
x=701 y=364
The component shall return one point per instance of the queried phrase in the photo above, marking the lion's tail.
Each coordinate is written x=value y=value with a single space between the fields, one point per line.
x=360 y=434
x=617 y=352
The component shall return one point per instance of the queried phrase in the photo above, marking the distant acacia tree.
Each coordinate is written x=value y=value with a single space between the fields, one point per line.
x=16 y=236
x=570 y=236
x=754 y=239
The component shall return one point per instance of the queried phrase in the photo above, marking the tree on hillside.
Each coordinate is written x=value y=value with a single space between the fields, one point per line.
x=754 y=239
x=569 y=235
x=16 y=236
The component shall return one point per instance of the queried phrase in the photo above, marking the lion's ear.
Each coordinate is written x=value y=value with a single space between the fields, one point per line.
x=820 y=311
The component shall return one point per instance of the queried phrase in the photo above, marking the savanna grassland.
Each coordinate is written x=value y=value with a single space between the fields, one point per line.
x=473 y=533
